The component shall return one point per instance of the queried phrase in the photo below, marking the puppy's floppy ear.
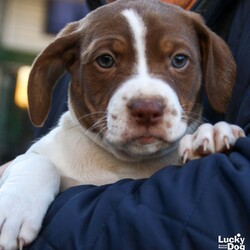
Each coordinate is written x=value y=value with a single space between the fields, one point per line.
x=219 y=68
x=60 y=55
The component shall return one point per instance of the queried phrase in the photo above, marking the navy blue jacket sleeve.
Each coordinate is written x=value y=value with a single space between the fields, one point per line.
x=193 y=207
x=177 y=208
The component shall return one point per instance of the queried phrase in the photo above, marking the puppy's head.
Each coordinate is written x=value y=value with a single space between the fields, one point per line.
x=137 y=68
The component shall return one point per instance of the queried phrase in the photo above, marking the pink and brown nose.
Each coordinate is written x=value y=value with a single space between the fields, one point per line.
x=146 y=112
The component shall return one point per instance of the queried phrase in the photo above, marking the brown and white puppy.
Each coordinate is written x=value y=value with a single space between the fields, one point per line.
x=137 y=69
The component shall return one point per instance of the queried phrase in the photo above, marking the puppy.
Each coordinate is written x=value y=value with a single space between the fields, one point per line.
x=138 y=69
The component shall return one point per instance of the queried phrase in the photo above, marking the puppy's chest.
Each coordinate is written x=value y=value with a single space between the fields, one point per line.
x=91 y=164
x=81 y=160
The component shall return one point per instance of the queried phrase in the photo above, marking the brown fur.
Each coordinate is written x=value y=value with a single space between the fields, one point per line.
x=174 y=30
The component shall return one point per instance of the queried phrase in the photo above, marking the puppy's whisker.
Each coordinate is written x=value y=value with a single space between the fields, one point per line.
x=95 y=126
x=77 y=144
x=82 y=117
x=195 y=117
x=190 y=104
x=99 y=123
x=193 y=120
x=99 y=133
x=191 y=113
x=205 y=120
x=92 y=114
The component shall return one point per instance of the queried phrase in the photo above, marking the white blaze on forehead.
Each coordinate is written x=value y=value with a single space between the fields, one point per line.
x=122 y=129
x=139 y=30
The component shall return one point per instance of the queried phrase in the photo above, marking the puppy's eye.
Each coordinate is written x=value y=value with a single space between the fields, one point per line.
x=179 y=61
x=105 y=61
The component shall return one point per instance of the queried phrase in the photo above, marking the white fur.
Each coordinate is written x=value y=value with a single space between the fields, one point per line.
x=139 y=31
x=28 y=187
x=119 y=137
x=32 y=181
x=119 y=129
x=94 y=164
x=209 y=139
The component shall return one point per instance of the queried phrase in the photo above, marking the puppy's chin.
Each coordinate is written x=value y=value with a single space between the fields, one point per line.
x=139 y=149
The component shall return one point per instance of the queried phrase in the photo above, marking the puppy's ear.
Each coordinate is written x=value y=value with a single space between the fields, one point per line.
x=219 y=68
x=60 y=55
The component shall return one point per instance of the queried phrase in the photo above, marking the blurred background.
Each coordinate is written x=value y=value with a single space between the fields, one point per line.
x=26 y=28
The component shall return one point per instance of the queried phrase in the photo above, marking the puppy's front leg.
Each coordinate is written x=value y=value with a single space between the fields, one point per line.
x=27 y=188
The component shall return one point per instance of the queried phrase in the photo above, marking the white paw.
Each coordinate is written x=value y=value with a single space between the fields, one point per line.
x=20 y=219
x=26 y=192
x=209 y=139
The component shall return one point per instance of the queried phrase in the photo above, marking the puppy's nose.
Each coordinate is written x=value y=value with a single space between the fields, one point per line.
x=146 y=112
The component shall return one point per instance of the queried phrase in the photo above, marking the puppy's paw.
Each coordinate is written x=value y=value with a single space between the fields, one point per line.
x=20 y=219
x=27 y=188
x=209 y=139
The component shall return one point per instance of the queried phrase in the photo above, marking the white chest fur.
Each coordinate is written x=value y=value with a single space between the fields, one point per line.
x=78 y=157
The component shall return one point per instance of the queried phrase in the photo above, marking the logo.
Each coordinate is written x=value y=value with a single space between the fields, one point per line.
x=231 y=243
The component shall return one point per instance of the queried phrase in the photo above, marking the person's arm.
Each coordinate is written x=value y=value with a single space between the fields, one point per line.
x=177 y=208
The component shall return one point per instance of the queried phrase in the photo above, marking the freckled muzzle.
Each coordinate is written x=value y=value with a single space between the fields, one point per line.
x=144 y=119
